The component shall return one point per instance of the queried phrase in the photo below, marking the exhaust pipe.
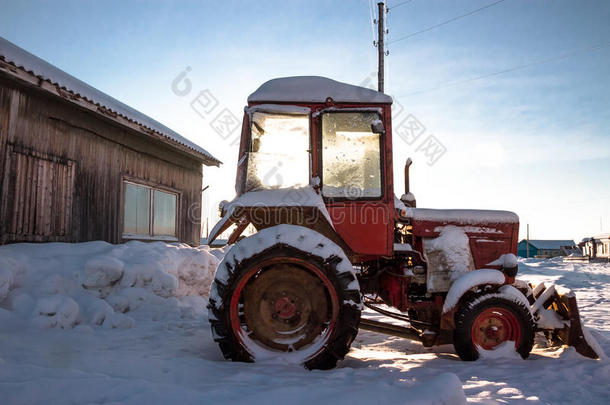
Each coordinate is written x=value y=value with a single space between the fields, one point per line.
x=408 y=164
x=408 y=198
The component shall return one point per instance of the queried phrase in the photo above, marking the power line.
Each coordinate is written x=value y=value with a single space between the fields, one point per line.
x=527 y=65
x=446 y=22
x=372 y=18
x=400 y=4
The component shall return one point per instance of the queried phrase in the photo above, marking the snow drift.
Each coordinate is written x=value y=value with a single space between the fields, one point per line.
x=58 y=285
x=169 y=355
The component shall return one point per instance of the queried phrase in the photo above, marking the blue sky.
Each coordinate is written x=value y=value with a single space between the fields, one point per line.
x=534 y=141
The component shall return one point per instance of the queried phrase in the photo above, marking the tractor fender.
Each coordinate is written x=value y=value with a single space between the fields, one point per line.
x=225 y=222
x=469 y=281
x=265 y=216
x=265 y=208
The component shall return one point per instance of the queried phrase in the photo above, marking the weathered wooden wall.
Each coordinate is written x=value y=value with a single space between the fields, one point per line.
x=78 y=161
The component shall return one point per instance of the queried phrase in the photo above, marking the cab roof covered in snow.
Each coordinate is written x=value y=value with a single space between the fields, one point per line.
x=106 y=105
x=314 y=89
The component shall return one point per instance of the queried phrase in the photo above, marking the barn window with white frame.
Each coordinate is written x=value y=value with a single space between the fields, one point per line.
x=148 y=212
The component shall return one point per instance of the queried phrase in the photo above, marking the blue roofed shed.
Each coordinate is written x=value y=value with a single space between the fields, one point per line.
x=546 y=248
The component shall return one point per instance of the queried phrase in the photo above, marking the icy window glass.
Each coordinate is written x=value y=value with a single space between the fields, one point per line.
x=137 y=209
x=149 y=213
x=351 y=155
x=278 y=156
x=164 y=213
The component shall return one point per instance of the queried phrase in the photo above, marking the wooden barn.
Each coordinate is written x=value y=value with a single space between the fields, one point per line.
x=77 y=165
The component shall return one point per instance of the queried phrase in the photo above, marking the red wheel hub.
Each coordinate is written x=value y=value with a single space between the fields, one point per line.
x=285 y=308
x=494 y=326
x=284 y=304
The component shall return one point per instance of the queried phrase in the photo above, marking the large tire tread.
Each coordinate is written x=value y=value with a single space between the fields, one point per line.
x=347 y=323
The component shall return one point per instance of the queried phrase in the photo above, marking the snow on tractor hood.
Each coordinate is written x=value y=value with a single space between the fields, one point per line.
x=462 y=217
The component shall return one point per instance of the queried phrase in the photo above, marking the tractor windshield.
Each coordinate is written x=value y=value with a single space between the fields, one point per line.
x=351 y=155
x=279 y=151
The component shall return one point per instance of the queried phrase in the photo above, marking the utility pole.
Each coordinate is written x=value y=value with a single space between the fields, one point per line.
x=380 y=46
x=527 y=247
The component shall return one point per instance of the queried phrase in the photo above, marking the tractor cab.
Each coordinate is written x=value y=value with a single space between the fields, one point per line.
x=335 y=137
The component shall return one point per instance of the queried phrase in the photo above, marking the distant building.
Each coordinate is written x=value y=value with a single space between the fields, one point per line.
x=77 y=165
x=547 y=248
x=597 y=247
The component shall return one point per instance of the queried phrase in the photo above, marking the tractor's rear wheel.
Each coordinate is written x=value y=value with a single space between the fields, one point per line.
x=288 y=304
x=488 y=321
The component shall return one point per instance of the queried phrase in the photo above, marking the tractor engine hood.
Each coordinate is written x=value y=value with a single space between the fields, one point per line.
x=489 y=234
x=461 y=217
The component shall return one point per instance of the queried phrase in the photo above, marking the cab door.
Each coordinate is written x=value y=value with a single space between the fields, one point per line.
x=353 y=179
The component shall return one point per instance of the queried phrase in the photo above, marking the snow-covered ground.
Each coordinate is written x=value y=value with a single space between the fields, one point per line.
x=97 y=323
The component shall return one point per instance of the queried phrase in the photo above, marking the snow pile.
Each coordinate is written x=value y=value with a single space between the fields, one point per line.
x=58 y=285
x=409 y=197
x=507 y=260
x=505 y=350
x=102 y=271
x=12 y=274
x=549 y=319
x=445 y=388
x=449 y=256
x=400 y=207
x=56 y=311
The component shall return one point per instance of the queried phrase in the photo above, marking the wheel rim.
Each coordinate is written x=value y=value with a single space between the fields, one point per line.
x=284 y=305
x=495 y=326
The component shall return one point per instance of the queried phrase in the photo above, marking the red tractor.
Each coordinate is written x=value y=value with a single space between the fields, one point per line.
x=328 y=237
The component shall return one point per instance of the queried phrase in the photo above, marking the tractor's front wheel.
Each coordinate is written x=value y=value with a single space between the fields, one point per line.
x=487 y=321
x=285 y=303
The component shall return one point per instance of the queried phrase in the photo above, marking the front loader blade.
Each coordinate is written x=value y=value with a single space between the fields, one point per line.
x=562 y=301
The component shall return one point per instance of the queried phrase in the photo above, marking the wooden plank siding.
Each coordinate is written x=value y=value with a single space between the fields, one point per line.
x=43 y=188
x=62 y=170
